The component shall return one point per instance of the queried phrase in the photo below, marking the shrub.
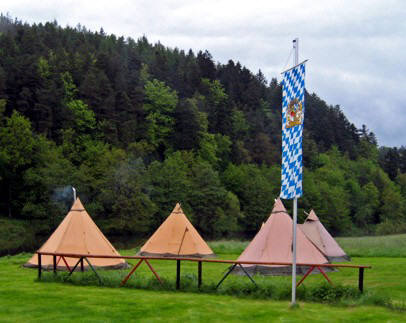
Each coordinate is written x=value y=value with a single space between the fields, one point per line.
x=15 y=236
x=390 y=227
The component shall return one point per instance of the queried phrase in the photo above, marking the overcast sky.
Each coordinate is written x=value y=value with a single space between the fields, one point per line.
x=356 y=49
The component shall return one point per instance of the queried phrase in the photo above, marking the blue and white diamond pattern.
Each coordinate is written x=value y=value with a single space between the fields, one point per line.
x=292 y=173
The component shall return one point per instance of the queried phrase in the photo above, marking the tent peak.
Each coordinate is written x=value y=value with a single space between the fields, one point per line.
x=77 y=206
x=312 y=216
x=322 y=239
x=177 y=208
x=278 y=206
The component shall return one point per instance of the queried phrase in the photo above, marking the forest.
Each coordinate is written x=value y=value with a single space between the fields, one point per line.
x=136 y=127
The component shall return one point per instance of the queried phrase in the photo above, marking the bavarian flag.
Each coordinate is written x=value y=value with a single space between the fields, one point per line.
x=292 y=128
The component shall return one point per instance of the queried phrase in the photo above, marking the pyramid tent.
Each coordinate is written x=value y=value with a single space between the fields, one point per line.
x=77 y=233
x=176 y=237
x=319 y=236
x=273 y=243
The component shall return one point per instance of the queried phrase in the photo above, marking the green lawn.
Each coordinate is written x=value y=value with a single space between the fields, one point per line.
x=23 y=299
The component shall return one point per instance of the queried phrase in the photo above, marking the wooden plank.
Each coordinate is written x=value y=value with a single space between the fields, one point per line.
x=153 y=271
x=305 y=275
x=204 y=260
x=131 y=272
x=325 y=275
x=66 y=263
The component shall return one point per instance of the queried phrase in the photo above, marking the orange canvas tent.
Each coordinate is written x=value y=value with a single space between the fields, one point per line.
x=321 y=238
x=273 y=243
x=176 y=237
x=77 y=233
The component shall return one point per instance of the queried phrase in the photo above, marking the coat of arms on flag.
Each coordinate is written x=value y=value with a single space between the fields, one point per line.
x=292 y=128
x=294 y=115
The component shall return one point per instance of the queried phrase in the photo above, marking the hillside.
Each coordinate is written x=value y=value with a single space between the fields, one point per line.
x=136 y=127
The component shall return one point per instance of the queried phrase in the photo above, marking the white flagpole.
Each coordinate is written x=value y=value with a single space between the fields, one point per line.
x=296 y=58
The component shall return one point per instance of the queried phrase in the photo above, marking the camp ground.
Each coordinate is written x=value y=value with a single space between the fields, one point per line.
x=279 y=248
x=269 y=253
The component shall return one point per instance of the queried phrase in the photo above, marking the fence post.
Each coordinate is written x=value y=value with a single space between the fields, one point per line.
x=39 y=266
x=54 y=261
x=177 y=274
x=199 y=274
x=361 y=280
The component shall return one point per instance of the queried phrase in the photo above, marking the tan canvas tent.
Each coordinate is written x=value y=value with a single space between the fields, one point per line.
x=273 y=243
x=77 y=233
x=176 y=237
x=321 y=238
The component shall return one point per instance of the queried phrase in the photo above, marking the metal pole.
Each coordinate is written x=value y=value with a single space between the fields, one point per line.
x=74 y=267
x=225 y=276
x=296 y=61
x=294 y=252
x=92 y=268
x=247 y=274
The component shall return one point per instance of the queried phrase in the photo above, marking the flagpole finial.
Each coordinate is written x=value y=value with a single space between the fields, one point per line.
x=296 y=48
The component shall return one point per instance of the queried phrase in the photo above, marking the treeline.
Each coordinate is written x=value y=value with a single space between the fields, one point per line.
x=137 y=127
x=393 y=161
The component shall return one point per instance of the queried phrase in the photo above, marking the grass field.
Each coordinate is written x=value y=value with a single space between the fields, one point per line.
x=23 y=298
x=383 y=246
